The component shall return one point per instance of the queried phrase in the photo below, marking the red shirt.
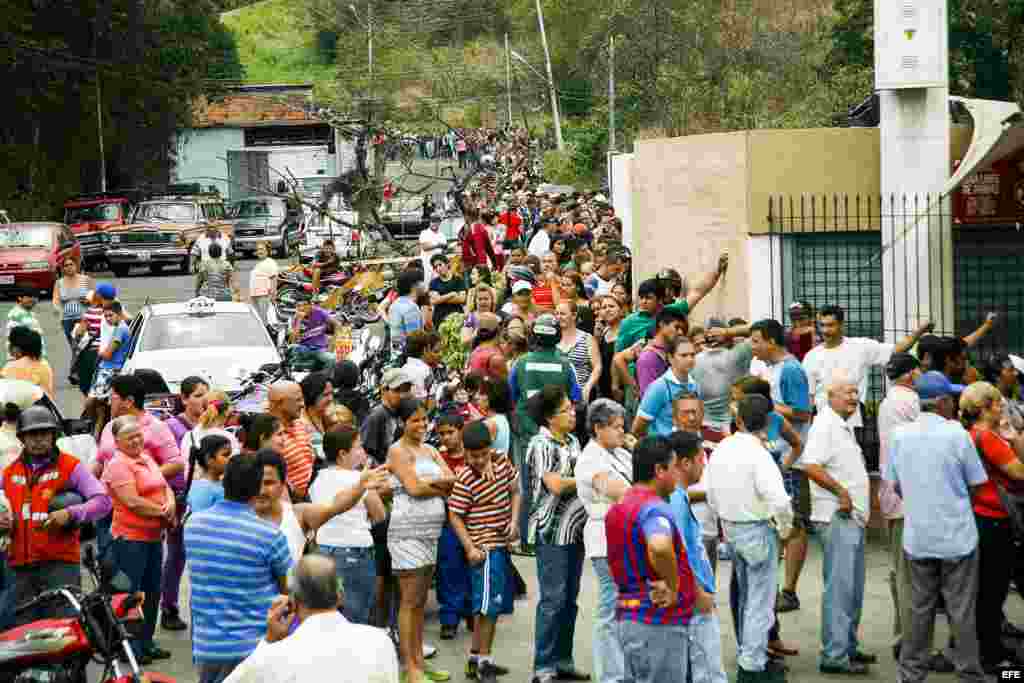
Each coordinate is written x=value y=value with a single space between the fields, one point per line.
x=543 y=297
x=995 y=451
x=476 y=247
x=513 y=223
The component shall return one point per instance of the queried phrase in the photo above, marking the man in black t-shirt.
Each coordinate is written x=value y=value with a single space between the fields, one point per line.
x=447 y=293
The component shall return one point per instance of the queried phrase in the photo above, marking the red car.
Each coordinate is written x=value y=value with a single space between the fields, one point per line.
x=31 y=254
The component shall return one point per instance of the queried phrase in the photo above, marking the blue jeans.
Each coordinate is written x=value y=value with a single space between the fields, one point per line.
x=842 y=542
x=559 y=568
x=755 y=569
x=357 y=570
x=309 y=354
x=103 y=538
x=608 y=658
x=654 y=653
x=216 y=672
x=142 y=562
x=706 y=649
x=454 y=588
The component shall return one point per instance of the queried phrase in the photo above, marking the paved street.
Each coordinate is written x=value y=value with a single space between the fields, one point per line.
x=515 y=635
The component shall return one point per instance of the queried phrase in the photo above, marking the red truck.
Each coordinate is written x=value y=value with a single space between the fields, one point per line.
x=90 y=216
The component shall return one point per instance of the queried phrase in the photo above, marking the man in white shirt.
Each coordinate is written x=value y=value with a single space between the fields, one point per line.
x=324 y=641
x=744 y=488
x=432 y=241
x=541 y=242
x=840 y=505
x=201 y=247
x=853 y=356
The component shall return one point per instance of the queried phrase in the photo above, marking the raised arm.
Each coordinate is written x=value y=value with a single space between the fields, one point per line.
x=707 y=282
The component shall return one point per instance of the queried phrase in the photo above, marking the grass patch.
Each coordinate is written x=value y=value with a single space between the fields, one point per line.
x=273 y=44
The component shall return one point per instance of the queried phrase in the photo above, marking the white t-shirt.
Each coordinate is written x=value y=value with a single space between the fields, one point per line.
x=702 y=511
x=203 y=246
x=430 y=238
x=420 y=374
x=261 y=277
x=854 y=357
x=595 y=460
x=350 y=529
x=195 y=436
x=831 y=444
x=540 y=244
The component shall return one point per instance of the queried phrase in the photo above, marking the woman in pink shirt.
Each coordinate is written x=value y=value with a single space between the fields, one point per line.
x=143 y=508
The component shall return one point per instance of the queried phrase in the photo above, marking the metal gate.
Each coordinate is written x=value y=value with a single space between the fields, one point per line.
x=861 y=253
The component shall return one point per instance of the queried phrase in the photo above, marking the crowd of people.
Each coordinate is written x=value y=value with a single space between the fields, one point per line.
x=533 y=409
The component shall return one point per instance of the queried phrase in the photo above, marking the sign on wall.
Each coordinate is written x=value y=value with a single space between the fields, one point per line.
x=911 y=44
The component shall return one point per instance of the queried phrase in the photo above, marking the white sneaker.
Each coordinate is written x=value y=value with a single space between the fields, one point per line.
x=428 y=651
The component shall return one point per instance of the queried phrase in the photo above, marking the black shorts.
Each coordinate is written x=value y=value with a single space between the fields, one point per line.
x=379 y=531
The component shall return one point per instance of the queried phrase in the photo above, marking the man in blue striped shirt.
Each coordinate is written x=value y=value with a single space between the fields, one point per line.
x=239 y=563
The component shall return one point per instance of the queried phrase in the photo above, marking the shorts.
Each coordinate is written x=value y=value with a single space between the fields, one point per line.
x=799 y=489
x=493 y=594
x=101 y=382
x=410 y=554
x=382 y=557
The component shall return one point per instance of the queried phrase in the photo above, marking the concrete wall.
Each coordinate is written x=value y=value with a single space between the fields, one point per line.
x=696 y=196
x=198 y=152
x=202 y=153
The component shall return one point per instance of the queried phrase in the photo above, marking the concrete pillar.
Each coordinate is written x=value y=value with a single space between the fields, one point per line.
x=912 y=76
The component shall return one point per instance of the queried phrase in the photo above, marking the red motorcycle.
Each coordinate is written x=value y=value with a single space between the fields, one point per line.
x=58 y=650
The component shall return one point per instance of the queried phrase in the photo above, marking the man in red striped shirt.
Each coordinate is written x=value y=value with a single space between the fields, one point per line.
x=286 y=405
x=483 y=509
x=647 y=558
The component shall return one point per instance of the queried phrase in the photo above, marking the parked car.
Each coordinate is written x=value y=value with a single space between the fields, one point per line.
x=191 y=214
x=90 y=216
x=403 y=216
x=222 y=341
x=31 y=253
x=156 y=246
x=267 y=219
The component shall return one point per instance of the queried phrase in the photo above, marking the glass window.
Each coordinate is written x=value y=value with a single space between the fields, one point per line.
x=167 y=212
x=213 y=212
x=13 y=236
x=259 y=208
x=201 y=331
x=87 y=214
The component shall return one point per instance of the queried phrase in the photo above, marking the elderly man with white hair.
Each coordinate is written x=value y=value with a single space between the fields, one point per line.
x=840 y=505
x=323 y=642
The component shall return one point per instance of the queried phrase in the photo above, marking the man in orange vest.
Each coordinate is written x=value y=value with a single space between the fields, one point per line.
x=44 y=547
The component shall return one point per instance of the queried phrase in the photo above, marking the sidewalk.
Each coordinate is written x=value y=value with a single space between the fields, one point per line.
x=514 y=642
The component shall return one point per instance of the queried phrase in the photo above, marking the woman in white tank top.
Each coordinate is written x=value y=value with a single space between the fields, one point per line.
x=298 y=521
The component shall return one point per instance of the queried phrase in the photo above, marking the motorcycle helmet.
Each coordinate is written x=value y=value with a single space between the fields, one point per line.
x=547 y=331
x=36 y=419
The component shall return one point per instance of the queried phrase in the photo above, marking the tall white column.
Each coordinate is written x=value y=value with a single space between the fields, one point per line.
x=911 y=73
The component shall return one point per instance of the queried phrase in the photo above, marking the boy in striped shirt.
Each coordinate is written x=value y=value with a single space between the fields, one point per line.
x=482 y=510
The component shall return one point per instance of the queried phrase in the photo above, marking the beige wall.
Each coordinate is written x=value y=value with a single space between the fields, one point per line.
x=695 y=196
x=690 y=204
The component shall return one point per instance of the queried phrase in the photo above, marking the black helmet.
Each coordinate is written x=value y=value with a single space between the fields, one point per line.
x=547 y=331
x=36 y=419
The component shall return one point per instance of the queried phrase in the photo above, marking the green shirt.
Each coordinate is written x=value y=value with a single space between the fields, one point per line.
x=640 y=325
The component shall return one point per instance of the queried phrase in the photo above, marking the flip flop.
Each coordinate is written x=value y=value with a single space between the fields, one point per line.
x=782 y=651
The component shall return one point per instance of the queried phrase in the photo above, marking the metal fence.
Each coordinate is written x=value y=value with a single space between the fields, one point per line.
x=892 y=263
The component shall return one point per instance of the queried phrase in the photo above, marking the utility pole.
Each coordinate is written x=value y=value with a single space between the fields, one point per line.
x=551 y=80
x=508 y=79
x=611 y=94
x=369 y=39
x=99 y=130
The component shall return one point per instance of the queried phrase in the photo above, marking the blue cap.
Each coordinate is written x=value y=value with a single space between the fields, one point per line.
x=106 y=291
x=934 y=384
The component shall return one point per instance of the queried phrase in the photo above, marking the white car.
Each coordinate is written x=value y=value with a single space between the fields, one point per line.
x=220 y=341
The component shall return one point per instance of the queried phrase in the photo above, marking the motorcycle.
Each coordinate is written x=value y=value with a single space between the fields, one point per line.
x=59 y=650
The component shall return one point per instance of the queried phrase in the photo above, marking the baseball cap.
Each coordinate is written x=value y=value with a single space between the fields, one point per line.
x=394 y=378
x=521 y=286
x=900 y=364
x=106 y=290
x=476 y=436
x=934 y=384
x=488 y=321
